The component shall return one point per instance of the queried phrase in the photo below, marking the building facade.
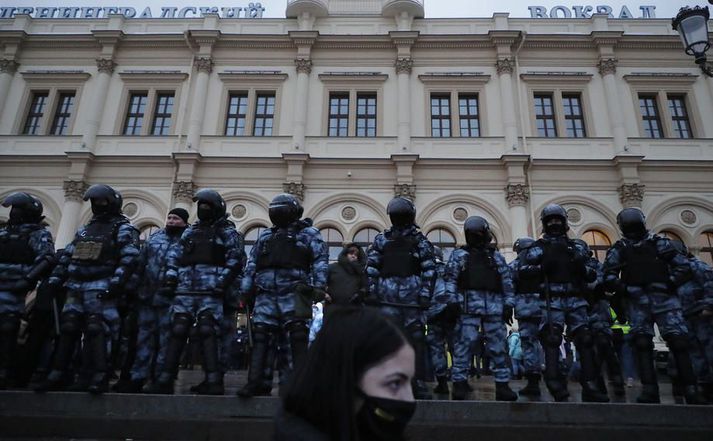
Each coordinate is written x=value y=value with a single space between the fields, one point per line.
x=346 y=104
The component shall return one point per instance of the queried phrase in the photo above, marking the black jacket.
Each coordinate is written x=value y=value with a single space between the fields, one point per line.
x=346 y=278
x=289 y=427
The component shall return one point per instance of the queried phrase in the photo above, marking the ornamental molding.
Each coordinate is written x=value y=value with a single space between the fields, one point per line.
x=631 y=195
x=106 y=65
x=407 y=191
x=607 y=66
x=660 y=79
x=404 y=65
x=464 y=78
x=269 y=78
x=74 y=190
x=352 y=77
x=56 y=76
x=296 y=189
x=203 y=64
x=152 y=76
x=8 y=66
x=303 y=65
x=504 y=66
x=183 y=191
x=517 y=194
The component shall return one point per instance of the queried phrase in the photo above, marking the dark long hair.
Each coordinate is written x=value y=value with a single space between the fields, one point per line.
x=322 y=389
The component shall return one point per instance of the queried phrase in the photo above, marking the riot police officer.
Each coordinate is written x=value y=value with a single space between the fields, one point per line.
x=528 y=311
x=27 y=255
x=201 y=266
x=286 y=272
x=647 y=269
x=479 y=275
x=559 y=265
x=401 y=272
x=97 y=265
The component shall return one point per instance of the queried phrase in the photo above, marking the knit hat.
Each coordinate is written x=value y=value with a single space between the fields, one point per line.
x=180 y=212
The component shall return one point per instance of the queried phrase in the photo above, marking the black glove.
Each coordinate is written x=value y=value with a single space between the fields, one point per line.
x=218 y=291
x=424 y=302
x=452 y=311
x=302 y=289
x=507 y=314
x=358 y=298
x=22 y=286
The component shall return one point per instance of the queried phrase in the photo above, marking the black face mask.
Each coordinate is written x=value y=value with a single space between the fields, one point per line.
x=477 y=239
x=556 y=229
x=17 y=216
x=634 y=232
x=174 y=230
x=381 y=419
x=205 y=214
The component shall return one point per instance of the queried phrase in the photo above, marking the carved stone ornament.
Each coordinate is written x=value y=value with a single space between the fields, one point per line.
x=460 y=214
x=504 y=65
x=106 y=65
x=517 y=194
x=183 y=191
x=607 y=66
x=407 y=191
x=8 y=66
x=631 y=195
x=294 y=188
x=130 y=209
x=74 y=190
x=574 y=216
x=303 y=65
x=349 y=213
x=404 y=65
x=688 y=217
x=203 y=64
x=239 y=211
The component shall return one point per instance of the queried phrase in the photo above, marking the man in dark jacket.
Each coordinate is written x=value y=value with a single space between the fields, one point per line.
x=346 y=279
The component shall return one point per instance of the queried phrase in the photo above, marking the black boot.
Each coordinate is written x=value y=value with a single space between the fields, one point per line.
x=198 y=388
x=707 y=391
x=601 y=385
x=649 y=394
x=503 y=392
x=617 y=384
x=693 y=395
x=591 y=394
x=532 y=389
x=213 y=384
x=442 y=387
x=678 y=345
x=558 y=390
x=163 y=384
x=256 y=367
x=420 y=390
x=128 y=387
x=553 y=381
x=58 y=379
x=209 y=343
x=460 y=390
x=647 y=373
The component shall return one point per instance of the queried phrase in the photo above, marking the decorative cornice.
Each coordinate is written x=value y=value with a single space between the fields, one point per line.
x=203 y=64
x=294 y=188
x=303 y=65
x=517 y=194
x=263 y=77
x=464 y=78
x=404 y=38
x=106 y=65
x=153 y=76
x=74 y=190
x=352 y=77
x=8 y=66
x=183 y=191
x=569 y=77
x=607 y=66
x=658 y=78
x=631 y=195
x=303 y=38
x=504 y=65
x=407 y=191
x=404 y=65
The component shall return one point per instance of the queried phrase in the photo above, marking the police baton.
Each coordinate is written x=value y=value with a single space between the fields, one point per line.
x=55 y=313
x=248 y=324
x=548 y=302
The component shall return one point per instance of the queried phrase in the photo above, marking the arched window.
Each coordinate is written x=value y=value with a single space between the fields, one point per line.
x=251 y=237
x=365 y=237
x=442 y=238
x=598 y=242
x=671 y=235
x=334 y=240
x=705 y=241
x=146 y=231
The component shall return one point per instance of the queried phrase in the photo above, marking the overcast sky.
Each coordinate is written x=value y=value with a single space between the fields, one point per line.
x=434 y=8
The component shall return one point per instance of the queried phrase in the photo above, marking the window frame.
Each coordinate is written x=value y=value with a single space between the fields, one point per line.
x=686 y=117
x=468 y=117
x=251 y=84
x=455 y=85
x=538 y=97
x=573 y=117
x=153 y=83
x=339 y=116
x=155 y=115
x=353 y=83
x=657 y=117
x=57 y=112
x=366 y=117
x=237 y=116
x=440 y=97
x=256 y=115
x=37 y=117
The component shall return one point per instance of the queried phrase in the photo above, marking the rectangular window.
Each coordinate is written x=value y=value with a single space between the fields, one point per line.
x=135 y=114
x=679 y=116
x=366 y=115
x=338 y=114
x=264 y=114
x=468 y=114
x=573 y=117
x=440 y=115
x=545 y=116
x=237 y=114
x=162 y=114
x=650 y=116
x=34 y=116
x=62 y=114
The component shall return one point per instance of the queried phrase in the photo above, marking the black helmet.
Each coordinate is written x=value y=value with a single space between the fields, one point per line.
x=401 y=211
x=632 y=223
x=25 y=208
x=104 y=199
x=523 y=243
x=284 y=209
x=554 y=211
x=438 y=254
x=214 y=200
x=477 y=231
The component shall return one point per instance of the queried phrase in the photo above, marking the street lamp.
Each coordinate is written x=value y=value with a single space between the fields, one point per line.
x=692 y=26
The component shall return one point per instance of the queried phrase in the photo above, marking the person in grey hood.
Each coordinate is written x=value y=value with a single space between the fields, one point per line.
x=346 y=281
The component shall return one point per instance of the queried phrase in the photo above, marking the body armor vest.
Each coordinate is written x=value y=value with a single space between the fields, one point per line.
x=643 y=266
x=559 y=264
x=204 y=247
x=528 y=285
x=281 y=250
x=480 y=273
x=97 y=244
x=398 y=258
x=15 y=245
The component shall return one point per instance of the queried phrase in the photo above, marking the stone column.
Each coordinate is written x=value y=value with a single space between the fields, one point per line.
x=204 y=66
x=7 y=71
x=71 y=210
x=183 y=192
x=505 y=67
x=404 y=65
x=607 y=69
x=105 y=66
x=304 y=68
x=517 y=196
x=631 y=195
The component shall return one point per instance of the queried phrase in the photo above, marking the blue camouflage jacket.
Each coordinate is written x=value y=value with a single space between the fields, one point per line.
x=153 y=262
x=697 y=293
x=40 y=242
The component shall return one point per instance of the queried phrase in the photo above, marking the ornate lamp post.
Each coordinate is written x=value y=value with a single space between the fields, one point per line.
x=692 y=26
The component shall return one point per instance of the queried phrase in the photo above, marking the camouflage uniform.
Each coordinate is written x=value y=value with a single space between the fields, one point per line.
x=441 y=323
x=528 y=311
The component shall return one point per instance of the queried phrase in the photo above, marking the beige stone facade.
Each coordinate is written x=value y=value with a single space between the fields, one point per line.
x=385 y=51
